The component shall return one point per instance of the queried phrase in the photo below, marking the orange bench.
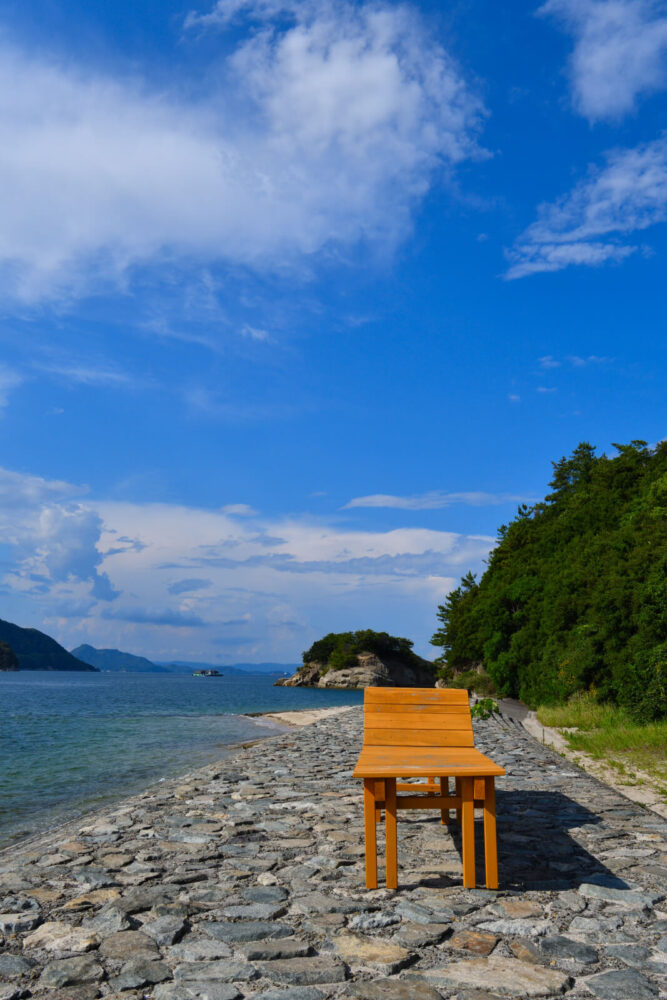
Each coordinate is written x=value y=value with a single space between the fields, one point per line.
x=424 y=733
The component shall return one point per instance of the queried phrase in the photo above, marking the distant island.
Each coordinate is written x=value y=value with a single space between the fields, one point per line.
x=117 y=660
x=34 y=650
x=361 y=659
x=231 y=669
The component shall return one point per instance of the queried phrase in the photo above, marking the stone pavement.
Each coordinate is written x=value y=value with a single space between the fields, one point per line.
x=246 y=879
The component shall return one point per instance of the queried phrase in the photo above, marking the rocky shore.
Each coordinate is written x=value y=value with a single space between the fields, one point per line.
x=245 y=879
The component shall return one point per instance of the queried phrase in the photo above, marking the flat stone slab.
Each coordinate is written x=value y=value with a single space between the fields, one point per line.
x=71 y=972
x=305 y=971
x=413 y=988
x=560 y=947
x=504 y=975
x=357 y=950
x=479 y=942
x=624 y=897
x=197 y=991
x=246 y=930
x=61 y=938
x=292 y=993
x=129 y=944
x=421 y=935
x=269 y=951
x=627 y=984
x=218 y=971
x=518 y=928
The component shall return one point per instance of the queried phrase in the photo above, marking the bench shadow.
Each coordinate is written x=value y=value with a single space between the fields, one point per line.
x=536 y=850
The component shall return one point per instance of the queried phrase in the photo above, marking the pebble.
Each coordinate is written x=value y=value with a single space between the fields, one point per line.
x=245 y=881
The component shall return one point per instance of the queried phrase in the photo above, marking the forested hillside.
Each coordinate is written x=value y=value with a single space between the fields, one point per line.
x=37 y=651
x=575 y=594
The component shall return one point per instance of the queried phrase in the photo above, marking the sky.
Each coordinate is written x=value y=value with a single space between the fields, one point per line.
x=300 y=300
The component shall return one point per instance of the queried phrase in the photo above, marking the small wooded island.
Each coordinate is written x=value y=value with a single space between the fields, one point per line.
x=362 y=659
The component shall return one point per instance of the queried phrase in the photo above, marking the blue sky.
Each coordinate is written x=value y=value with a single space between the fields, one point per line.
x=300 y=300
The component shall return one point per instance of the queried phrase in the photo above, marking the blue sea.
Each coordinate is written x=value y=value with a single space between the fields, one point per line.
x=71 y=742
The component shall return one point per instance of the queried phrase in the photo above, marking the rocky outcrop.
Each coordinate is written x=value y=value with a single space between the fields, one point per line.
x=371 y=671
x=8 y=659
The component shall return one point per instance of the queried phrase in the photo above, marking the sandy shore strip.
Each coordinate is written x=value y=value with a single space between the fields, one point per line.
x=301 y=716
x=245 y=879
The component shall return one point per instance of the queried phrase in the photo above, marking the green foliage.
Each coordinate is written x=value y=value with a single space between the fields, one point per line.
x=611 y=734
x=35 y=650
x=471 y=680
x=574 y=597
x=484 y=708
x=339 y=649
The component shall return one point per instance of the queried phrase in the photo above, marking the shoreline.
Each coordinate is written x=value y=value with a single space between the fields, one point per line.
x=300 y=716
x=245 y=877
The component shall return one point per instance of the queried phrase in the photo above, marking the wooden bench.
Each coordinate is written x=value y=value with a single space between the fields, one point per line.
x=424 y=733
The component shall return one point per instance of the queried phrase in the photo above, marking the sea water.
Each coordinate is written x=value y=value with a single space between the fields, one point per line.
x=71 y=742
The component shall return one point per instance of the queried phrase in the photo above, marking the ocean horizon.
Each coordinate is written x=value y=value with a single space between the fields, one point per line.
x=71 y=742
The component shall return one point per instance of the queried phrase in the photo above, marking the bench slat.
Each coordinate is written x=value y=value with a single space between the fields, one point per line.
x=410 y=720
x=446 y=708
x=416 y=696
x=414 y=738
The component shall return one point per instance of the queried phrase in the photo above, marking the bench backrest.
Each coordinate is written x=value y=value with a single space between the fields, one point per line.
x=417 y=717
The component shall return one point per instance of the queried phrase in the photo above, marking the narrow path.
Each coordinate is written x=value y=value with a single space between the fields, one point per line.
x=245 y=879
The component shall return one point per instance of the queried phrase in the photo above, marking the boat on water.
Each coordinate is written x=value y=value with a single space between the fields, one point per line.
x=207 y=673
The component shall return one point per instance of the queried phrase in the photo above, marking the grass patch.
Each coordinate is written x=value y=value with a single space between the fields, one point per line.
x=610 y=734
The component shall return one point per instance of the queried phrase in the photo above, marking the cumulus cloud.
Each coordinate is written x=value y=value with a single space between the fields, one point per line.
x=319 y=133
x=54 y=538
x=434 y=500
x=259 y=588
x=590 y=225
x=620 y=52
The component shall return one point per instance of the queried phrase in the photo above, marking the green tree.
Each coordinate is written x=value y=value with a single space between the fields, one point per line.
x=574 y=597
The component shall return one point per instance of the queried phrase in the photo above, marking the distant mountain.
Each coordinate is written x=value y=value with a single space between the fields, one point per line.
x=37 y=651
x=117 y=660
x=186 y=666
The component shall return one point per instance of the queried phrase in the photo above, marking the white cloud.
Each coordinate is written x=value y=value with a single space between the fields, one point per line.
x=321 y=134
x=254 y=333
x=190 y=579
x=548 y=361
x=88 y=374
x=620 y=52
x=239 y=509
x=54 y=538
x=587 y=226
x=435 y=499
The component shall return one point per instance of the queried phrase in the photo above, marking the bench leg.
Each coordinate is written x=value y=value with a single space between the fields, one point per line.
x=468 y=832
x=371 y=841
x=444 y=790
x=458 y=794
x=490 y=845
x=391 y=845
